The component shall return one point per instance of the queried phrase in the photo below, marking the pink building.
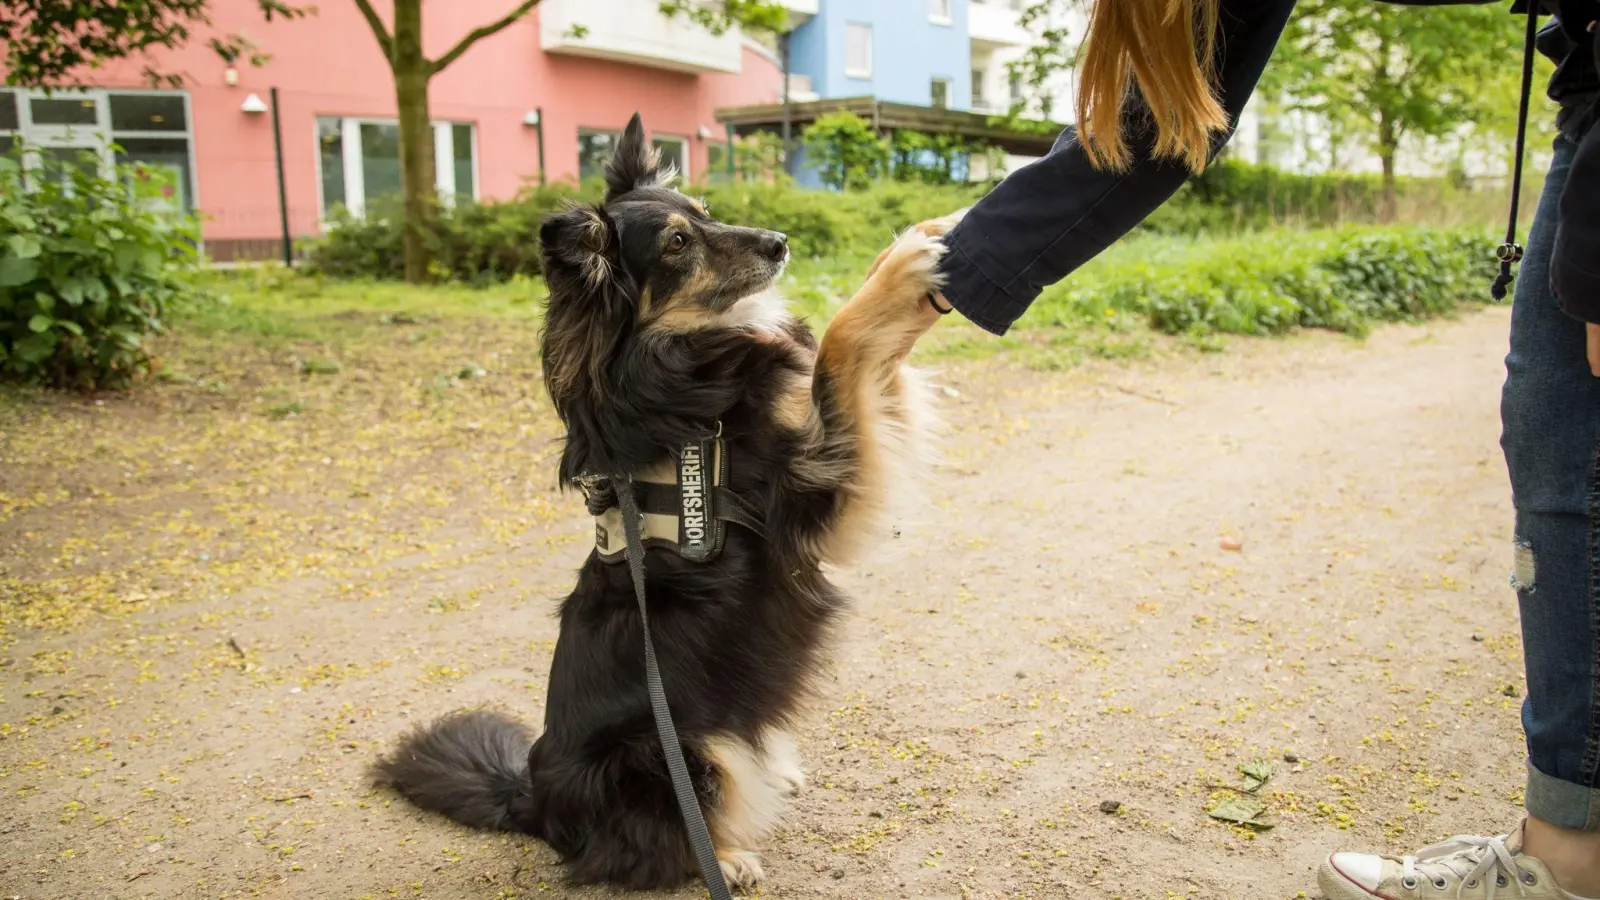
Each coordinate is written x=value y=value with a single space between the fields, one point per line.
x=565 y=79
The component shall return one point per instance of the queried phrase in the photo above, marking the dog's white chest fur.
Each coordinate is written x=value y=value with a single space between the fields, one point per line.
x=766 y=311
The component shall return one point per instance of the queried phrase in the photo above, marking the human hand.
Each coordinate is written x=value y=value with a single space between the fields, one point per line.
x=1592 y=332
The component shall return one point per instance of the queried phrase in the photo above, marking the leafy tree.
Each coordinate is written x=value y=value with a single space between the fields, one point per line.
x=848 y=152
x=940 y=159
x=1053 y=51
x=1379 y=74
x=52 y=42
x=401 y=44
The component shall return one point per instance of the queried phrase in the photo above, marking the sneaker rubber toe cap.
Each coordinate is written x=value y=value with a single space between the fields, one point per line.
x=1351 y=876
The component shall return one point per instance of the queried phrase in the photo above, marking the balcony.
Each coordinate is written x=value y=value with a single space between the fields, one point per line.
x=800 y=11
x=994 y=24
x=633 y=31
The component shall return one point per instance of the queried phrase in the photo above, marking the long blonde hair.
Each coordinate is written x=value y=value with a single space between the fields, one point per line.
x=1166 y=48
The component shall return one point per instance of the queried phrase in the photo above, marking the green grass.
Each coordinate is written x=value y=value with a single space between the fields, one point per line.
x=1116 y=307
x=272 y=306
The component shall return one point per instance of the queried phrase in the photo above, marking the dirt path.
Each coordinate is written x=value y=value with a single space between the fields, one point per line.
x=1067 y=629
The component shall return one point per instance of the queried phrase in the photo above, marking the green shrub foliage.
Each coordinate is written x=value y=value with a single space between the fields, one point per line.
x=89 y=264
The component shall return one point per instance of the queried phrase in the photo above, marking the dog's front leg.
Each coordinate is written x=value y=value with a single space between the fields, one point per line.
x=863 y=404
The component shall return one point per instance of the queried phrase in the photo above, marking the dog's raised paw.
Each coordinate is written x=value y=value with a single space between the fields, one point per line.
x=741 y=868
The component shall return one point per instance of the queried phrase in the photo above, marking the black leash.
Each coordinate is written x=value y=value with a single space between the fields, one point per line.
x=1511 y=251
x=699 y=837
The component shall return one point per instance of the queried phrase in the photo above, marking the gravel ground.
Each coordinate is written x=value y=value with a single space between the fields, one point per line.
x=220 y=598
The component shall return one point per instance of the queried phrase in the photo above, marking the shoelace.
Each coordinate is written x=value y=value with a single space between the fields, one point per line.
x=1470 y=860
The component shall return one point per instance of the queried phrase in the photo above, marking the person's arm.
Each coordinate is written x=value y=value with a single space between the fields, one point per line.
x=1055 y=214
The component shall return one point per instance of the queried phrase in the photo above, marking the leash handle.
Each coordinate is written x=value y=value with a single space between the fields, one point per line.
x=688 y=804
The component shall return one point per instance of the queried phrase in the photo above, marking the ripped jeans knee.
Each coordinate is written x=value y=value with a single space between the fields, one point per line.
x=1523 y=568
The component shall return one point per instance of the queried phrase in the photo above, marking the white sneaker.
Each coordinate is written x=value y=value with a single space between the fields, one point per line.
x=1462 y=868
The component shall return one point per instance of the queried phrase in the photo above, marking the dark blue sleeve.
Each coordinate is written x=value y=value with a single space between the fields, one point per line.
x=1055 y=214
x=1575 y=268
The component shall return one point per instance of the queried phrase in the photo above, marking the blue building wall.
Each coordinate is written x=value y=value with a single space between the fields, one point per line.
x=909 y=51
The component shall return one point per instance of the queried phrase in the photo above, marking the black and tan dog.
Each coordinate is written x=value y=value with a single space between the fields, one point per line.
x=664 y=325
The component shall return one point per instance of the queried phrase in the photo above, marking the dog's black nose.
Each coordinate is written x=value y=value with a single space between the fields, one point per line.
x=777 y=245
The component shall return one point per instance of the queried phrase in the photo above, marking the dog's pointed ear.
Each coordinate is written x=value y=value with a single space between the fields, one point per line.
x=579 y=242
x=636 y=163
x=589 y=310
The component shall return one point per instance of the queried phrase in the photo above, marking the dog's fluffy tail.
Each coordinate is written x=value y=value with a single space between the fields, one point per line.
x=471 y=766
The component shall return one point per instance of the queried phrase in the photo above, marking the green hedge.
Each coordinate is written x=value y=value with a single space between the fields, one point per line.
x=482 y=243
x=1235 y=196
x=1268 y=283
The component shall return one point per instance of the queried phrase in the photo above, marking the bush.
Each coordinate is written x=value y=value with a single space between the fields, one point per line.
x=1238 y=196
x=1344 y=280
x=847 y=151
x=483 y=243
x=88 y=267
x=474 y=243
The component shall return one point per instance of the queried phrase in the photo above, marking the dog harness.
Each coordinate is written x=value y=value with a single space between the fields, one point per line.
x=681 y=503
x=684 y=502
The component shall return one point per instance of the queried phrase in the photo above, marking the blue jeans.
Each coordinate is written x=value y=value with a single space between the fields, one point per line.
x=1550 y=410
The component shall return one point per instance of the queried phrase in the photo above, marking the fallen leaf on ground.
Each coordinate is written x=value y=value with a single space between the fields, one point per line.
x=1240 y=811
x=1256 y=773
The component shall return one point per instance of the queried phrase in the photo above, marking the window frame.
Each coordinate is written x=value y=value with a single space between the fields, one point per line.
x=685 y=157
x=858 y=73
x=355 y=185
x=101 y=137
x=614 y=134
x=933 y=94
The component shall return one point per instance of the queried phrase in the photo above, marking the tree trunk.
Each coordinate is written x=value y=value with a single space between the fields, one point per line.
x=412 y=71
x=1388 y=141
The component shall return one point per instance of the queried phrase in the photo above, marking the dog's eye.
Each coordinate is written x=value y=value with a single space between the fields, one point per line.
x=676 y=242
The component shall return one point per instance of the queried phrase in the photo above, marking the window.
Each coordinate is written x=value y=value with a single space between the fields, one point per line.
x=674 y=152
x=1017 y=94
x=380 y=161
x=858 y=50
x=717 y=159
x=92 y=129
x=979 y=76
x=594 y=151
x=941 y=93
x=939 y=12
x=148 y=112
x=64 y=111
x=166 y=159
x=9 y=121
x=330 y=161
x=358 y=162
x=464 y=151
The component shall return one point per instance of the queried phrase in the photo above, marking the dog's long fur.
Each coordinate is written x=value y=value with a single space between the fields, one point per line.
x=662 y=323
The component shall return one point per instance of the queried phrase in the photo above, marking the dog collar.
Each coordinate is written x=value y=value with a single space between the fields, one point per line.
x=684 y=504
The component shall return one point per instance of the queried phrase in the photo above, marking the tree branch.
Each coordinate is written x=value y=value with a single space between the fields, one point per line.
x=478 y=34
x=385 y=40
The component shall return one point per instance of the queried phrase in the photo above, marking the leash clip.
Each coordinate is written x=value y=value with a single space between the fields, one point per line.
x=1508 y=253
x=591 y=485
